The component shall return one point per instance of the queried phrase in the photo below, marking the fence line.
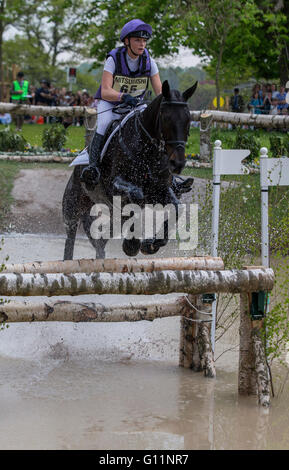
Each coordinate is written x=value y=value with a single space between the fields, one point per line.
x=256 y=120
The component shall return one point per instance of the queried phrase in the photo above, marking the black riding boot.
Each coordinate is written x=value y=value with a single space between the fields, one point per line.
x=181 y=185
x=91 y=174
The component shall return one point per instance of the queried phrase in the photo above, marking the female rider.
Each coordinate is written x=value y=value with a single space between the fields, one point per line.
x=125 y=78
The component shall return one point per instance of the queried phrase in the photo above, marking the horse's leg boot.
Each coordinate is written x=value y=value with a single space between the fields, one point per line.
x=182 y=186
x=91 y=174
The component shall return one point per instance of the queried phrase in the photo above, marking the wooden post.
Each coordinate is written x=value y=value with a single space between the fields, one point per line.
x=206 y=120
x=195 y=341
x=253 y=369
x=247 y=377
x=90 y=118
x=15 y=70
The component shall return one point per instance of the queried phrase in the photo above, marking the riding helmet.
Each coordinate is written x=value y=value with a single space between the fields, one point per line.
x=136 y=28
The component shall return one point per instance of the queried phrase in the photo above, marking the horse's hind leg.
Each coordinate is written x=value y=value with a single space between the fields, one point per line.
x=99 y=243
x=70 y=240
x=72 y=207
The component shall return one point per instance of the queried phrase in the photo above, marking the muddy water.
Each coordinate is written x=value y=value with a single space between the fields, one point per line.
x=118 y=386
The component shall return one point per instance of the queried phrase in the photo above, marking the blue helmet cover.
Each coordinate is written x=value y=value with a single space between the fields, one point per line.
x=133 y=26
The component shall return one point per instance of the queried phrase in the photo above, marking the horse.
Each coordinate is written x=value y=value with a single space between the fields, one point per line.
x=138 y=165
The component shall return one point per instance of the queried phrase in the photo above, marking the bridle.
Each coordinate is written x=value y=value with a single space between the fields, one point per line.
x=161 y=141
x=177 y=143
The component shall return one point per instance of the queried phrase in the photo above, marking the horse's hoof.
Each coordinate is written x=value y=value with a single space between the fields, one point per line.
x=131 y=247
x=149 y=247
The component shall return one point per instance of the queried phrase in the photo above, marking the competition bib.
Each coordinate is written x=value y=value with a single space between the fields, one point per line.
x=135 y=86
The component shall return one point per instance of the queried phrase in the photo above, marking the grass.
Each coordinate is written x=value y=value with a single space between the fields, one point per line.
x=193 y=144
x=33 y=134
x=76 y=136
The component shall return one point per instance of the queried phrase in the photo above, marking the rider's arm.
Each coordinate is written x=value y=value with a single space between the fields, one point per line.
x=107 y=92
x=156 y=84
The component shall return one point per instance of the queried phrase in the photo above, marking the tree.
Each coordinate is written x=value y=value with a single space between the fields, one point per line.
x=271 y=37
x=205 y=26
x=50 y=26
x=9 y=11
x=232 y=36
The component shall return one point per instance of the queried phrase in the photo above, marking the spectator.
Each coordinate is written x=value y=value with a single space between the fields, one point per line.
x=19 y=95
x=274 y=90
x=274 y=106
x=62 y=97
x=263 y=91
x=237 y=102
x=256 y=89
x=256 y=104
x=85 y=99
x=42 y=95
x=267 y=103
x=282 y=100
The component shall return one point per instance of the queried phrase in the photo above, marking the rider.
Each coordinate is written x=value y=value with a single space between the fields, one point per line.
x=125 y=78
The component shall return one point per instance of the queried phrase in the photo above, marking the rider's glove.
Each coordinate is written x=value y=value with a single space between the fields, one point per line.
x=130 y=100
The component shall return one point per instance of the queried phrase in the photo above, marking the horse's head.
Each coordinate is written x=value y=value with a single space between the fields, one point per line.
x=174 y=124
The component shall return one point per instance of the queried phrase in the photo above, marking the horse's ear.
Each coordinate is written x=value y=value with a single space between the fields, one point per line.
x=189 y=92
x=166 y=90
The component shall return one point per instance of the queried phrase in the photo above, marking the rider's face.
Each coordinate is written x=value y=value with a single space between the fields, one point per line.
x=137 y=45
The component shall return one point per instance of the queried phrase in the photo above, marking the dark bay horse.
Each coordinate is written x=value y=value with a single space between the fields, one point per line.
x=138 y=165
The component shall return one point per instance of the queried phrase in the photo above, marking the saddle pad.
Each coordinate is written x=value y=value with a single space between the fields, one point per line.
x=83 y=157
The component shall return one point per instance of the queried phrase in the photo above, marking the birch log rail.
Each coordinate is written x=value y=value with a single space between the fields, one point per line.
x=256 y=120
x=116 y=265
x=159 y=282
x=81 y=311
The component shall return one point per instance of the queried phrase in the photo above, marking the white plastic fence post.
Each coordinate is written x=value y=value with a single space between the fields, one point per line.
x=264 y=208
x=215 y=223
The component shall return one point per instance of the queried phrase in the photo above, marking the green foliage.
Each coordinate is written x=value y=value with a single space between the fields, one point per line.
x=11 y=141
x=54 y=137
x=248 y=140
x=227 y=137
x=240 y=139
x=279 y=145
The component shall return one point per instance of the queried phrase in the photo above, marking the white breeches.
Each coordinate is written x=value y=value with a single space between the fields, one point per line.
x=104 y=119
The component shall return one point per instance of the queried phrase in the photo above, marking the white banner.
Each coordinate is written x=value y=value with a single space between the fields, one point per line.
x=228 y=162
x=274 y=171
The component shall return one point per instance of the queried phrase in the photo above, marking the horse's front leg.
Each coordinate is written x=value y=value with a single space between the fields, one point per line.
x=135 y=195
x=152 y=245
x=121 y=187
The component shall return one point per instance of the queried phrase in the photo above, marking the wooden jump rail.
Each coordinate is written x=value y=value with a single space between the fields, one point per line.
x=189 y=277
x=116 y=265
x=257 y=120
x=206 y=118
x=150 y=283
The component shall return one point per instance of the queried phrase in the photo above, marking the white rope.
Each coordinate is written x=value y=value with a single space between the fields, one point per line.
x=195 y=308
x=197 y=320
